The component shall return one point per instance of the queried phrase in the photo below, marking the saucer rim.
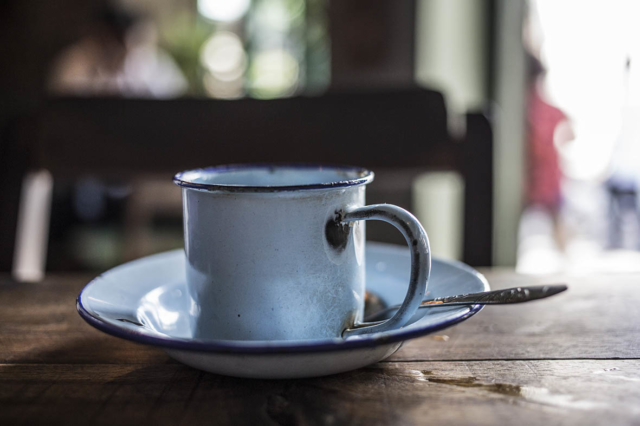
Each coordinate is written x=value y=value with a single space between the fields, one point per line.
x=280 y=346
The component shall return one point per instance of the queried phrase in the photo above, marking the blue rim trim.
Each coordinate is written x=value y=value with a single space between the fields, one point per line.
x=262 y=347
x=366 y=176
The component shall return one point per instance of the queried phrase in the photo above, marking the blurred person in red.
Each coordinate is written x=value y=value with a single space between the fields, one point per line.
x=547 y=127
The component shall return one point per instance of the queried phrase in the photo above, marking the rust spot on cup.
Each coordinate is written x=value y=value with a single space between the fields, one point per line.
x=337 y=232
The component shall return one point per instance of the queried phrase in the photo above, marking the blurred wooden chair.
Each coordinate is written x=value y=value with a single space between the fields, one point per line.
x=384 y=130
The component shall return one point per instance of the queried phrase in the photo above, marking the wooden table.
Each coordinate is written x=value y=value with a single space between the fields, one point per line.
x=573 y=359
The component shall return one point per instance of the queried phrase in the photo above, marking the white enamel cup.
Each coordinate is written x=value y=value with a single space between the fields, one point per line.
x=276 y=252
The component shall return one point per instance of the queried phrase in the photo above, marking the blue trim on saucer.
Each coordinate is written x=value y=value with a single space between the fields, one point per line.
x=366 y=176
x=263 y=347
x=281 y=346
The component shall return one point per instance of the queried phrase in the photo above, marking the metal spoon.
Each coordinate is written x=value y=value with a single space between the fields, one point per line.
x=497 y=297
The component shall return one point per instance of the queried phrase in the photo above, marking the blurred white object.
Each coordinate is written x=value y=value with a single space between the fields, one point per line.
x=137 y=67
x=32 y=234
x=582 y=226
x=148 y=70
x=438 y=199
x=223 y=10
x=538 y=251
x=151 y=72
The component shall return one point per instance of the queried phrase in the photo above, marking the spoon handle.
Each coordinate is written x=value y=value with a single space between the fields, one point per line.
x=496 y=297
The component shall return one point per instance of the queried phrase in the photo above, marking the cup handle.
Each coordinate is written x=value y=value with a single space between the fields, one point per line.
x=418 y=243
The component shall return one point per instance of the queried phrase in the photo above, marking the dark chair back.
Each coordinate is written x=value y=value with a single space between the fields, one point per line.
x=405 y=129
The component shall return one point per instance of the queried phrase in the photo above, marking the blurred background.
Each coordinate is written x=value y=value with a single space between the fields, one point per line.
x=509 y=127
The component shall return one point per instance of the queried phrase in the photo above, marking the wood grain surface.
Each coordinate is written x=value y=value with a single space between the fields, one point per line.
x=572 y=359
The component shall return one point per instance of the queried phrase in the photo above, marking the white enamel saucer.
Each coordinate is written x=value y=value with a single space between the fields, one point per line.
x=146 y=301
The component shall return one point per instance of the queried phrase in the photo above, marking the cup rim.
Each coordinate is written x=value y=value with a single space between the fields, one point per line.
x=365 y=176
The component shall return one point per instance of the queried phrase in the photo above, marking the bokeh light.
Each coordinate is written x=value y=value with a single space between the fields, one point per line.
x=223 y=56
x=278 y=16
x=273 y=73
x=220 y=89
x=224 y=60
x=223 y=10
